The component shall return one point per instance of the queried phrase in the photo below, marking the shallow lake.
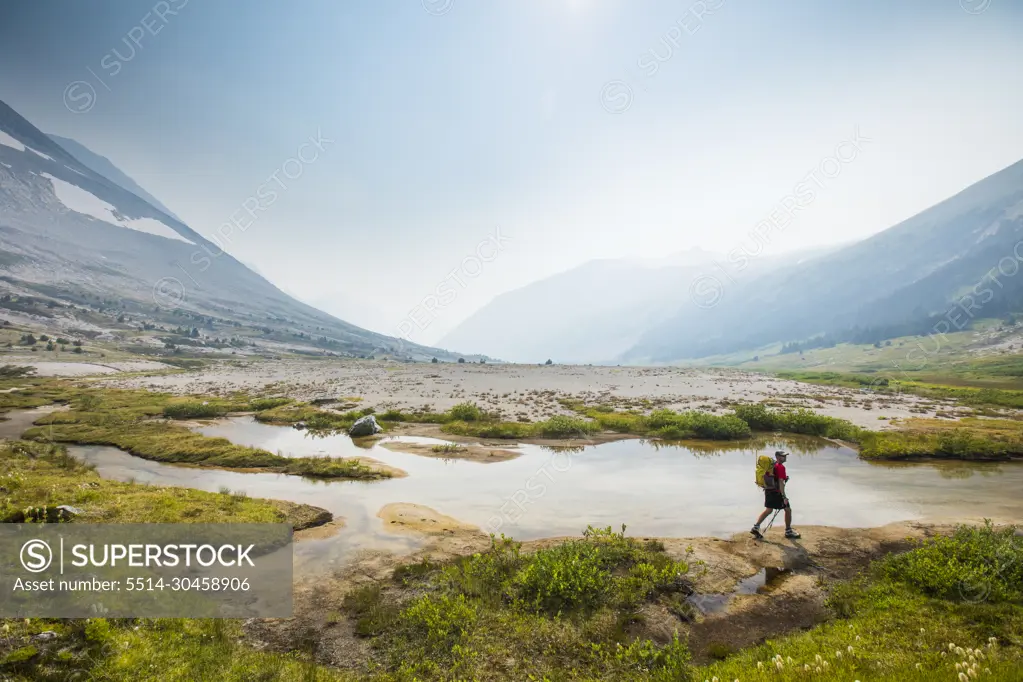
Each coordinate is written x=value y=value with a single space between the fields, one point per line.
x=656 y=489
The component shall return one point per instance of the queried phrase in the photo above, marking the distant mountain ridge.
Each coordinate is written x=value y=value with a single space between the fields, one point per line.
x=66 y=229
x=908 y=275
x=592 y=313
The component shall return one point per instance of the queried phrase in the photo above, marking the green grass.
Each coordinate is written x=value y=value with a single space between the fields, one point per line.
x=167 y=442
x=968 y=439
x=559 y=612
x=911 y=617
x=193 y=409
x=887 y=384
x=177 y=650
x=313 y=417
x=31 y=392
x=127 y=420
x=567 y=611
x=800 y=421
x=557 y=427
x=42 y=475
x=448 y=449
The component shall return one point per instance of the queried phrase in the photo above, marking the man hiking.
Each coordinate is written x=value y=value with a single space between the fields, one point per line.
x=774 y=481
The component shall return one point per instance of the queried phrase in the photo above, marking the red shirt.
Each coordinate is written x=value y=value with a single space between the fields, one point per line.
x=779 y=472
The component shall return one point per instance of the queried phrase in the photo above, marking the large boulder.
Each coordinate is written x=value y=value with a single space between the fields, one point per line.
x=364 y=426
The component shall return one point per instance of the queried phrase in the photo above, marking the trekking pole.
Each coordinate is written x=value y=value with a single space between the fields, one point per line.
x=771 y=523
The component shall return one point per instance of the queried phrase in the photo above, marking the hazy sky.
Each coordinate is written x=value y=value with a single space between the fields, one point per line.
x=579 y=129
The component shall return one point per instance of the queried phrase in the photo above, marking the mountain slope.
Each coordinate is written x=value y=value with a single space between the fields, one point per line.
x=591 y=313
x=107 y=169
x=68 y=231
x=910 y=274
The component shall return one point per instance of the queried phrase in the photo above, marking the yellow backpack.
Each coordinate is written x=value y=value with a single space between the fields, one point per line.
x=765 y=472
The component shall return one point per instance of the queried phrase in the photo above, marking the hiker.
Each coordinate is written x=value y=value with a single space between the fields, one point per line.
x=773 y=480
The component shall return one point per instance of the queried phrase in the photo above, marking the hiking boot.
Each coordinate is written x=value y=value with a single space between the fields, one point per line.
x=755 y=532
x=791 y=534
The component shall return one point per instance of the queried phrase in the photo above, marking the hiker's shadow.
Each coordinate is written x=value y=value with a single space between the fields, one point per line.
x=794 y=554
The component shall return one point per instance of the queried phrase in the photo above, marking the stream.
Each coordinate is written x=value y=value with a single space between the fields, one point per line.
x=656 y=489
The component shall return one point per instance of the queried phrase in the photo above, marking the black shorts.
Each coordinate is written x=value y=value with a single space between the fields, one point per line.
x=773 y=499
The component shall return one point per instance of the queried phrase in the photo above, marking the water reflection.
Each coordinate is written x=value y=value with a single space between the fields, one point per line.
x=658 y=489
x=801 y=445
x=950 y=469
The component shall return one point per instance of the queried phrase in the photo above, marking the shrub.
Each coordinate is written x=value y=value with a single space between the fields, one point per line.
x=603 y=568
x=260 y=404
x=439 y=621
x=670 y=662
x=561 y=426
x=467 y=412
x=974 y=564
x=488 y=574
x=679 y=425
x=15 y=371
x=372 y=614
x=801 y=420
x=564 y=578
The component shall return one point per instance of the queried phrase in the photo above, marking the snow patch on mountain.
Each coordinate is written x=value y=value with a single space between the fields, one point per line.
x=81 y=201
x=9 y=141
x=45 y=156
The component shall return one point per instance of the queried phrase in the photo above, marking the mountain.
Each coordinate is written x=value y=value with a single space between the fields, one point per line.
x=104 y=167
x=592 y=313
x=71 y=234
x=956 y=261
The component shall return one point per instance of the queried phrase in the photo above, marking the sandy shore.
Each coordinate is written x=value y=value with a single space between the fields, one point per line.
x=469 y=453
x=529 y=392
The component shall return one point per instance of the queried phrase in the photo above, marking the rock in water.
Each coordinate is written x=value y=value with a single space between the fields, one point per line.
x=364 y=426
